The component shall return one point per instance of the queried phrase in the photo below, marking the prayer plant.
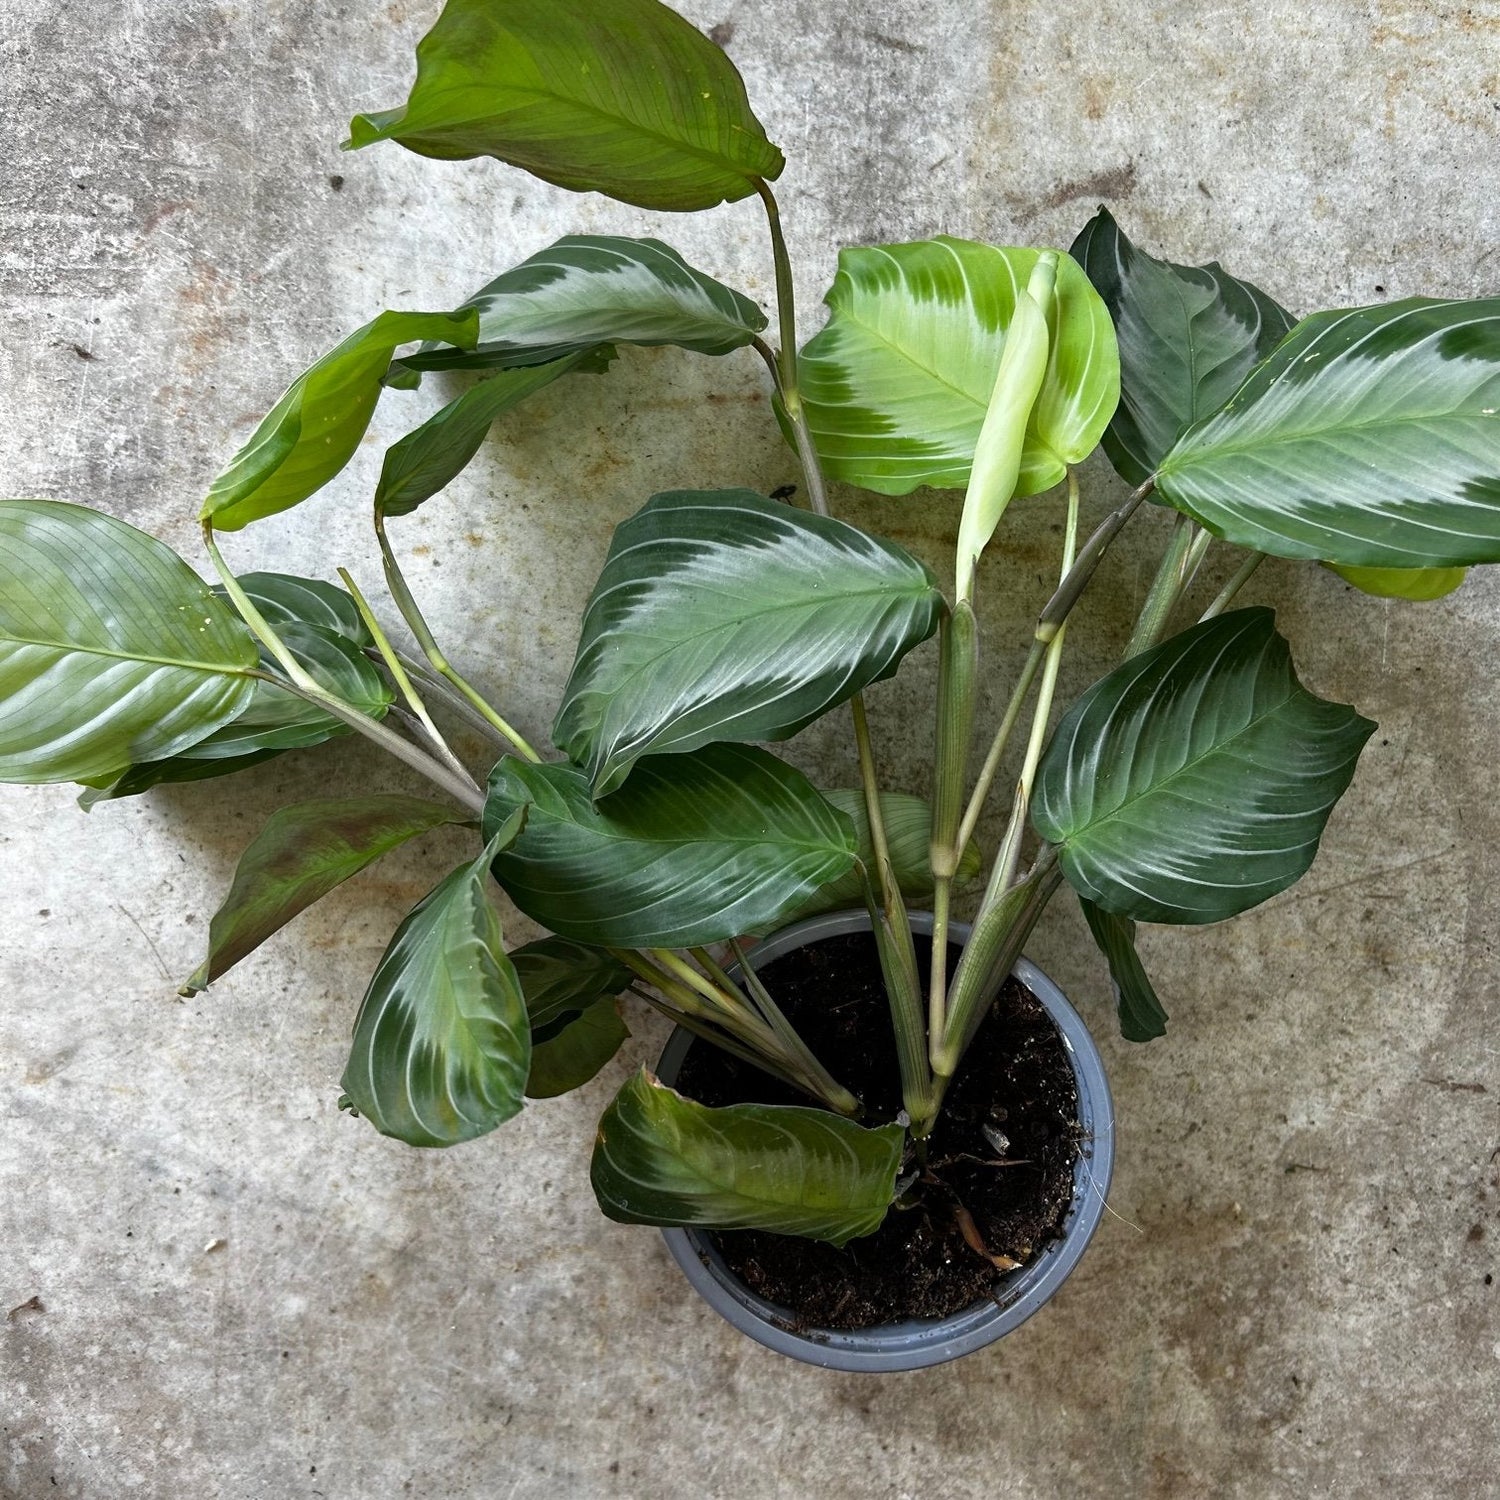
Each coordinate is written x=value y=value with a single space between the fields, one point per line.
x=1187 y=785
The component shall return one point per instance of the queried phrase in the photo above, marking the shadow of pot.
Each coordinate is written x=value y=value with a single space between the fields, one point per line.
x=917 y=1343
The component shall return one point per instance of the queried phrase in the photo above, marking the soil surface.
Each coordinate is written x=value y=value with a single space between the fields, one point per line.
x=1002 y=1154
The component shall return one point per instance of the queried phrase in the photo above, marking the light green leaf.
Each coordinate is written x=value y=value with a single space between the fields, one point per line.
x=1369 y=438
x=662 y=1159
x=432 y=456
x=574 y=1053
x=721 y=615
x=621 y=97
x=897 y=385
x=442 y=1045
x=1419 y=585
x=908 y=832
x=112 y=650
x=1141 y=1015
x=588 y=290
x=1194 y=781
x=1188 y=336
x=693 y=849
x=313 y=430
x=301 y=854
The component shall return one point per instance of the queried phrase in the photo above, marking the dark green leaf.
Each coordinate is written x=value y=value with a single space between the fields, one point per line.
x=313 y=430
x=1141 y=1013
x=112 y=650
x=301 y=854
x=1416 y=584
x=562 y=979
x=721 y=615
x=432 y=456
x=176 y=769
x=1369 y=438
x=621 y=97
x=1194 y=781
x=693 y=849
x=588 y=290
x=662 y=1159
x=285 y=599
x=442 y=1045
x=1188 y=336
x=896 y=386
x=908 y=831
x=576 y=1052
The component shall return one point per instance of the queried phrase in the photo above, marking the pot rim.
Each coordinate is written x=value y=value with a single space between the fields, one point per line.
x=920 y=1342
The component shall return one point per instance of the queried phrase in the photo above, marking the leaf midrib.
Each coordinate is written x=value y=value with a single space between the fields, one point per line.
x=73 y=648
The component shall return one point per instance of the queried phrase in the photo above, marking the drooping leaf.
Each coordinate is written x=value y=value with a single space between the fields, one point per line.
x=562 y=979
x=432 y=456
x=572 y=1055
x=1188 y=336
x=301 y=854
x=908 y=832
x=693 y=849
x=1369 y=438
x=721 y=615
x=313 y=430
x=286 y=599
x=112 y=650
x=442 y=1045
x=1141 y=1015
x=897 y=385
x=1194 y=781
x=588 y=290
x=1419 y=585
x=621 y=97
x=662 y=1159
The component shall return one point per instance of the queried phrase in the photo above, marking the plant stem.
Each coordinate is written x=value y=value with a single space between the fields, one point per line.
x=444 y=693
x=461 y=789
x=1226 y=595
x=1166 y=588
x=402 y=681
x=417 y=624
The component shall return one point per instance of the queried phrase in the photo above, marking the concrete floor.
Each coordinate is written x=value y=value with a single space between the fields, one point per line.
x=224 y=1288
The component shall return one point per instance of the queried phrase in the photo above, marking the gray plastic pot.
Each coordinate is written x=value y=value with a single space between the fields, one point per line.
x=918 y=1343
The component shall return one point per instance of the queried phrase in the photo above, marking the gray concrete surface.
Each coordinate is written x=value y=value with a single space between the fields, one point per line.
x=241 y=1293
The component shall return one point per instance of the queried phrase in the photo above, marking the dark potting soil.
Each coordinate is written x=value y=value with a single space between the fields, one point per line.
x=1002 y=1153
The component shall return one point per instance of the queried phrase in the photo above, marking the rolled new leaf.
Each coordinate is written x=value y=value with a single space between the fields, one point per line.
x=1369 y=438
x=1142 y=1018
x=313 y=430
x=1188 y=336
x=442 y=1043
x=303 y=853
x=693 y=849
x=662 y=1159
x=897 y=385
x=621 y=97
x=1194 y=781
x=589 y=289
x=112 y=650
x=721 y=615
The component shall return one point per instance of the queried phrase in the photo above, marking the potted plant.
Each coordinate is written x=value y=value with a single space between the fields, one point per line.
x=1184 y=787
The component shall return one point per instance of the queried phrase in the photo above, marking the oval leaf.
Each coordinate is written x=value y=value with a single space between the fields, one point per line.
x=1419 y=585
x=1188 y=336
x=112 y=650
x=908 y=832
x=693 y=849
x=286 y=599
x=442 y=1045
x=1194 y=781
x=662 y=1159
x=721 y=615
x=621 y=97
x=591 y=289
x=572 y=1055
x=562 y=979
x=897 y=385
x=313 y=430
x=301 y=854
x=1142 y=1018
x=1370 y=438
